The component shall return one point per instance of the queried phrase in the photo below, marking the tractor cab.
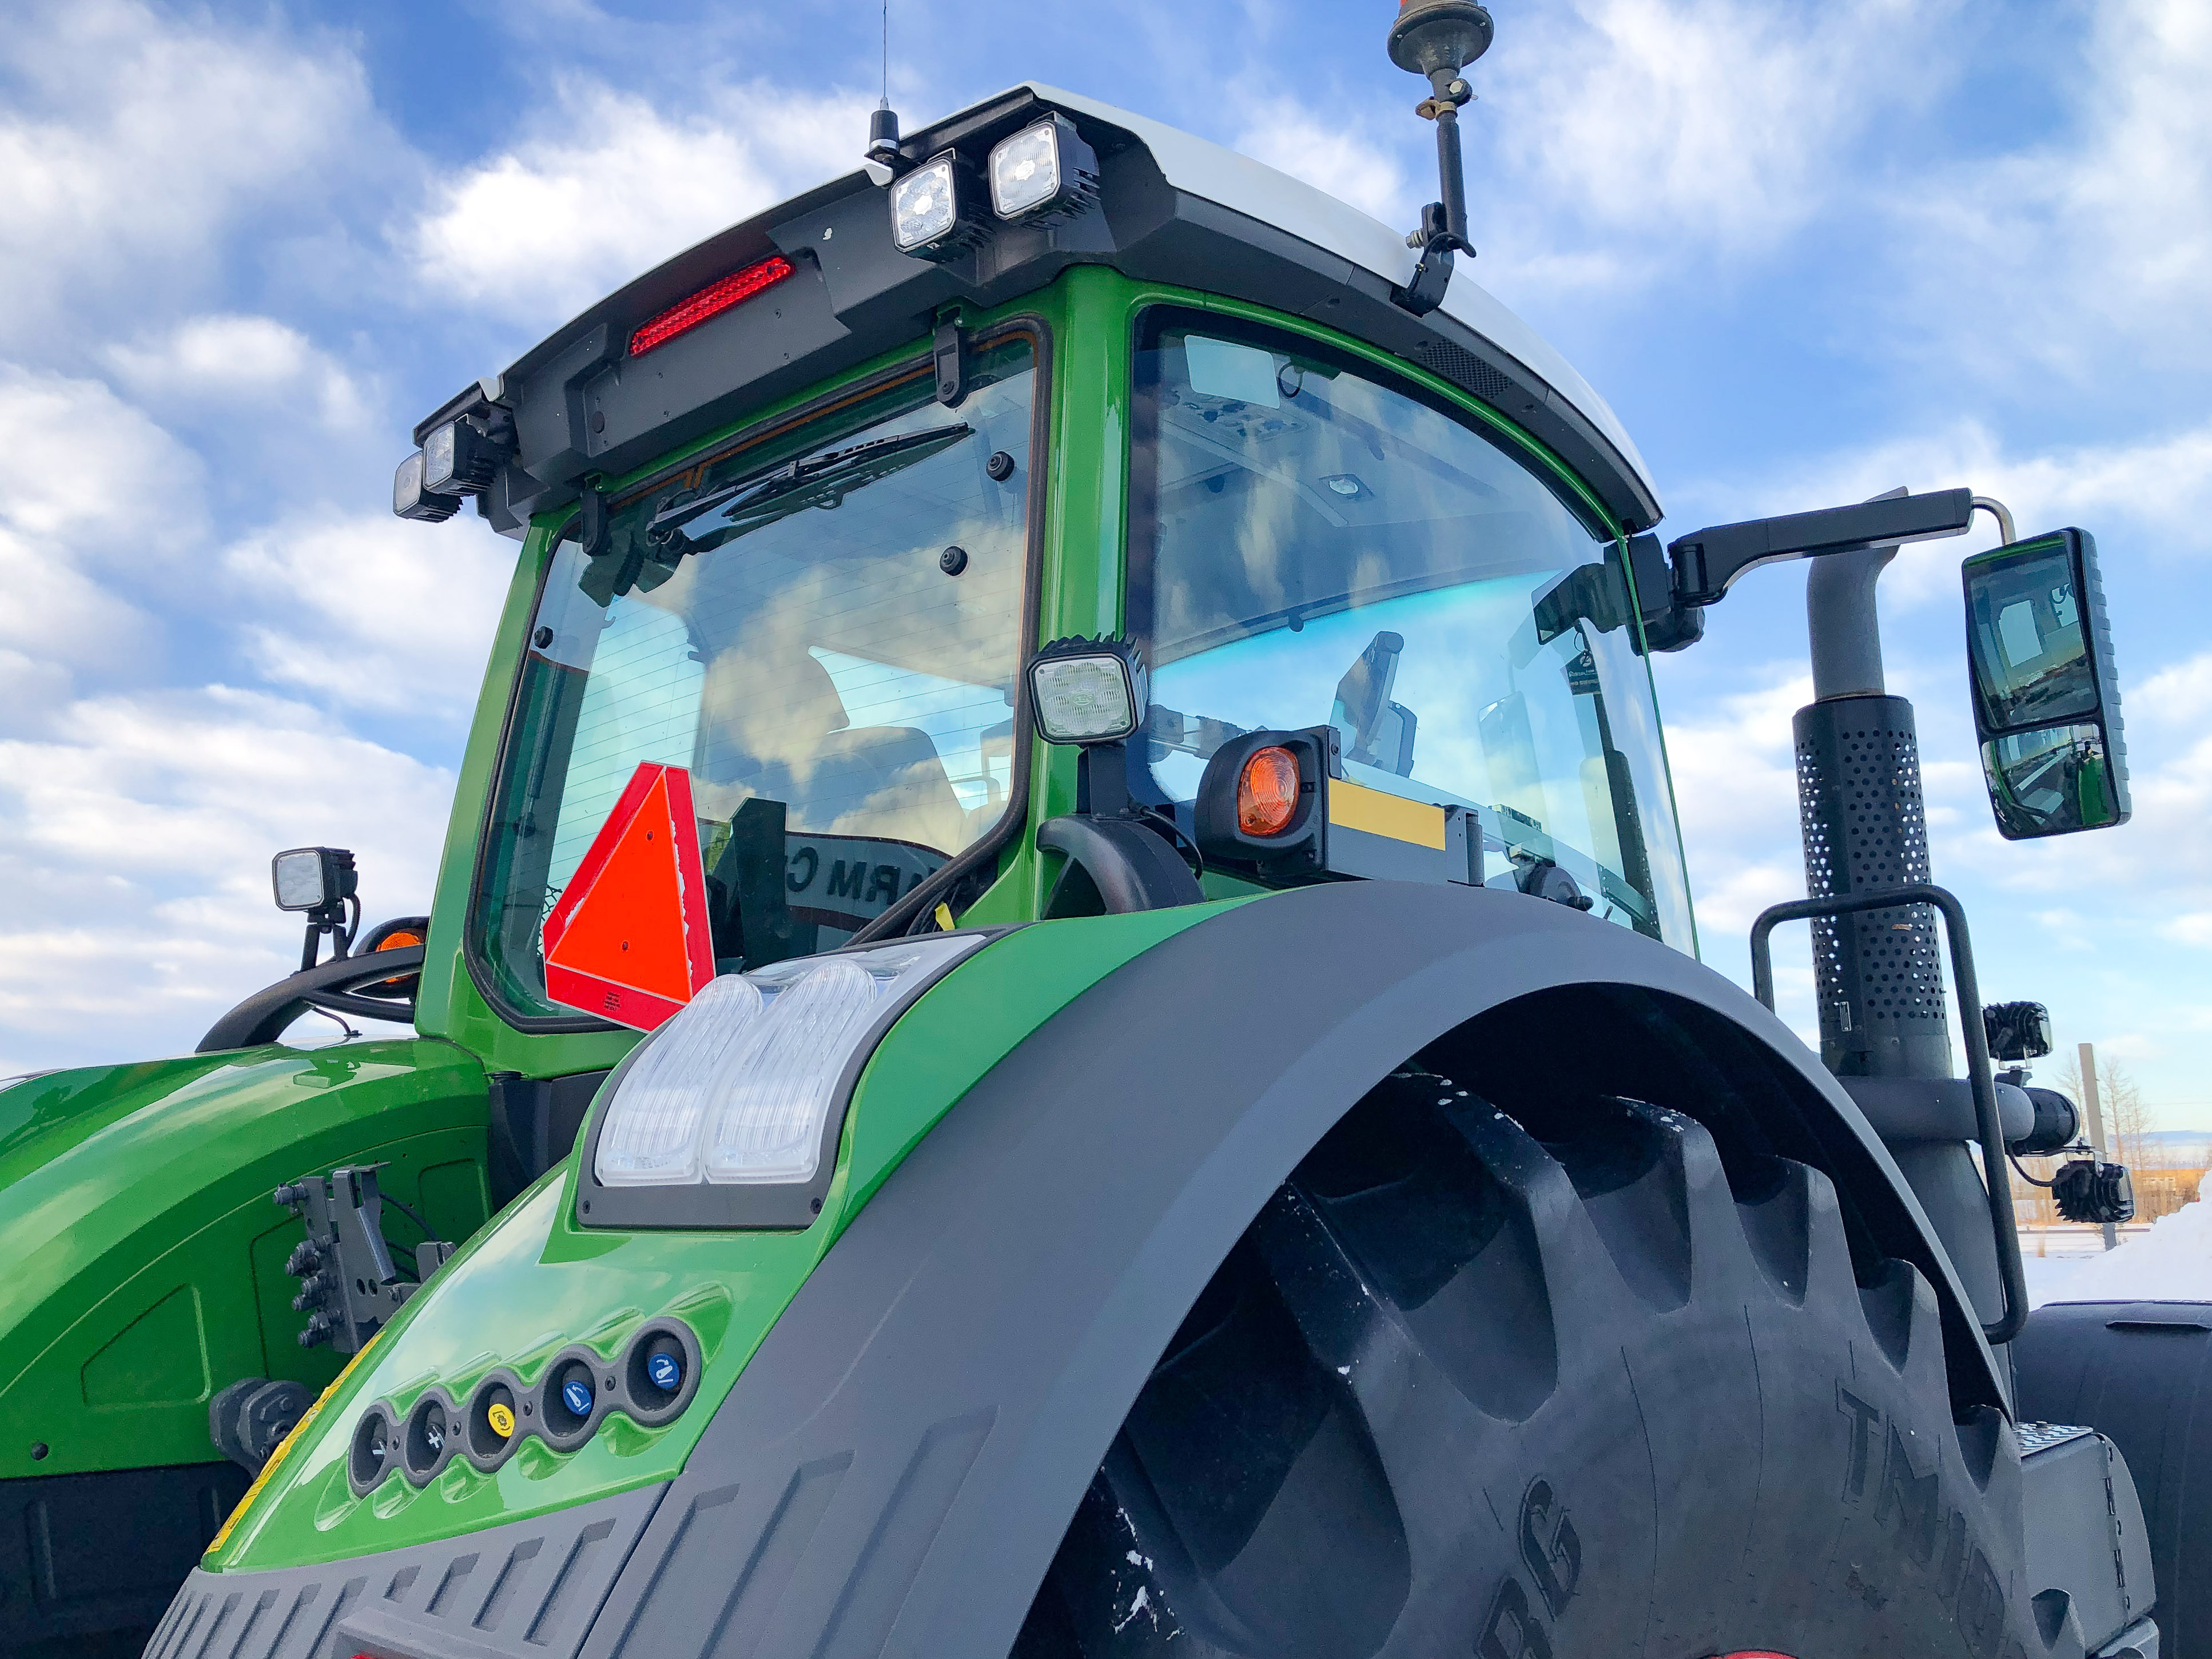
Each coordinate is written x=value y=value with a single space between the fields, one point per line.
x=1162 y=434
x=1176 y=1097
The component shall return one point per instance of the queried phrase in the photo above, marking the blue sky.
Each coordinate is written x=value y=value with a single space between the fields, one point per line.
x=1808 y=252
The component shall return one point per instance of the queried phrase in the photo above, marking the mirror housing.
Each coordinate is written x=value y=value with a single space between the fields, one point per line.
x=2046 y=695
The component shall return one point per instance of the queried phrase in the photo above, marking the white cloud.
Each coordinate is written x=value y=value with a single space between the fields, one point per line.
x=132 y=141
x=1712 y=123
x=375 y=612
x=134 y=844
x=2040 y=260
x=1342 y=156
x=89 y=488
x=550 y=225
x=236 y=362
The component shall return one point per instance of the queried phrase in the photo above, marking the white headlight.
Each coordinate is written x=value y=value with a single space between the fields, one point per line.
x=738 y=1087
x=652 y=1133
x=1043 y=172
x=773 y=1094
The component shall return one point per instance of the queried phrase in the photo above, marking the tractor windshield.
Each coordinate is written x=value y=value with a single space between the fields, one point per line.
x=823 y=624
x=1310 y=547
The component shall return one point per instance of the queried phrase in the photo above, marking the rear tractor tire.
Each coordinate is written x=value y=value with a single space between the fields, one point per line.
x=1458 y=1393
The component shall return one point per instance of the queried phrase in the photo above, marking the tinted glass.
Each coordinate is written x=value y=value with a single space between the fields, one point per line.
x=788 y=623
x=2024 y=629
x=1311 y=546
x=2052 y=780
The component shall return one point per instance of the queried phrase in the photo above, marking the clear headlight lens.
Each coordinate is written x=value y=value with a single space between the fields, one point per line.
x=1025 y=170
x=652 y=1133
x=1085 y=699
x=923 y=209
x=738 y=1087
x=1044 y=173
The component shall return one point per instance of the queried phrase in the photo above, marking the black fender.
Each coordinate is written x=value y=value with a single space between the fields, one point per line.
x=894 y=1468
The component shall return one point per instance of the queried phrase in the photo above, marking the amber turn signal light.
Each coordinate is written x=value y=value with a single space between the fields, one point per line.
x=1267 y=791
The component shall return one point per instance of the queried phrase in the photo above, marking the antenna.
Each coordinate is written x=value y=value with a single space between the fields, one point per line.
x=1438 y=39
x=882 y=159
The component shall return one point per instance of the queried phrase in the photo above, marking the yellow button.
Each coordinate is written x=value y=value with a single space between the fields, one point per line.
x=501 y=1420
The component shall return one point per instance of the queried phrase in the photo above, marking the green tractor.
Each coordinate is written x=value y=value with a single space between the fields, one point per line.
x=1094 y=704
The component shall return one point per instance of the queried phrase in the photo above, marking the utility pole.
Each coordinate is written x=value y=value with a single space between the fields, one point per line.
x=2088 y=1059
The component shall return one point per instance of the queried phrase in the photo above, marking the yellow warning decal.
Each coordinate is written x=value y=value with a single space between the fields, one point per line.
x=1355 y=806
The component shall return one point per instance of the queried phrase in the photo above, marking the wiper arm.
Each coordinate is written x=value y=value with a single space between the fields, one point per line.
x=831 y=474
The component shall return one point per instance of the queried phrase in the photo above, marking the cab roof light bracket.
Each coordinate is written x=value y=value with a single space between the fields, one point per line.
x=950 y=352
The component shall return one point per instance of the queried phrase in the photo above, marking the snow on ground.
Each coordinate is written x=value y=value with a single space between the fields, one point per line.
x=2169 y=1261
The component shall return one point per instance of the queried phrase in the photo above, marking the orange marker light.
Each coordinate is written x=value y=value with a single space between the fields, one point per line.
x=1267 y=791
x=398 y=939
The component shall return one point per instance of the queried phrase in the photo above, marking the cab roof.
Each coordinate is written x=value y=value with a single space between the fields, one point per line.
x=1173 y=208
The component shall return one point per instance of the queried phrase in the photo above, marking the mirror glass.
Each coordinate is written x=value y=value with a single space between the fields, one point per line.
x=2052 y=780
x=2025 y=634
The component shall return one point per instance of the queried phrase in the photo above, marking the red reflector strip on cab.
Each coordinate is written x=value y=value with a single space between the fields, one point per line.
x=711 y=301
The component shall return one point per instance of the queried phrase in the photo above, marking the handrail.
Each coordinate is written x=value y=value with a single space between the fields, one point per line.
x=1979 y=1074
x=262 y=1017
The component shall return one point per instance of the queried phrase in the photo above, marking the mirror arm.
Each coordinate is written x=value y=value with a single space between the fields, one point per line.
x=1997 y=509
x=1706 y=562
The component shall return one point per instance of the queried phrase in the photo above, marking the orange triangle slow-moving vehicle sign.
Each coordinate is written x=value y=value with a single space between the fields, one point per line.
x=629 y=937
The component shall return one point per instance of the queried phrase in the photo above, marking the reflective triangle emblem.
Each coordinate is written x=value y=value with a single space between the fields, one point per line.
x=628 y=939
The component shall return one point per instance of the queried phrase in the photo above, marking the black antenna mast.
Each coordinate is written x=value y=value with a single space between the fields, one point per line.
x=1438 y=39
x=883 y=153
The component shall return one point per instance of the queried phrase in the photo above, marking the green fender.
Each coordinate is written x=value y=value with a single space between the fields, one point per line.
x=144 y=1261
x=535 y=1281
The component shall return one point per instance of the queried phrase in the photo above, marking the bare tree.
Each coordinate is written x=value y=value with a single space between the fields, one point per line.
x=2128 y=1122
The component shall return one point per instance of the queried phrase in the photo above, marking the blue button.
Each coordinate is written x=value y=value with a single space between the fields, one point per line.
x=576 y=1395
x=667 y=1372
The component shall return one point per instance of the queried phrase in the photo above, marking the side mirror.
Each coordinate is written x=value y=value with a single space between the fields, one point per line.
x=2047 y=697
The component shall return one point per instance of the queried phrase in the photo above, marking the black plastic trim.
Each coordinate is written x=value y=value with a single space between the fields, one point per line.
x=365 y=1472
x=558 y=1427
x=262 y=1017
x=941 y=1389
x=520 y=1589
x=637 y=1389
x=418 y=1461
x=1039 y=333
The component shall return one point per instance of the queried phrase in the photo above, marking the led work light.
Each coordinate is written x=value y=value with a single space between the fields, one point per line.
x=935 y=209
x=313 y=878
x=1044 y=173
x=411 y=499
x=1088 y=691
x=458 y=459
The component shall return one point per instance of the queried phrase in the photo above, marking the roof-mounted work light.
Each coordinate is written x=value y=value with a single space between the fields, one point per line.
x=1088 y=691
x=1044 y=174
x=936 y=210
x=411 y=499
x=458 y=459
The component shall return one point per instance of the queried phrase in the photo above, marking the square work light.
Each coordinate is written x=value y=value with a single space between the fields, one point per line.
x=936 y=209
x=1088 y=691
x=1044 y=173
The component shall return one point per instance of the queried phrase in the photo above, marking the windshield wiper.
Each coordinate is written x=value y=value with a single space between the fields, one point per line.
x=820 y=480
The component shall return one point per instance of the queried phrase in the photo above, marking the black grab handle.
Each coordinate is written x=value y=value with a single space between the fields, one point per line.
x=1995 y=1168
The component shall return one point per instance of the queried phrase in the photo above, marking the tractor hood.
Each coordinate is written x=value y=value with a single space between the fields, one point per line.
x=1171 y=209
x=144 y=1259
